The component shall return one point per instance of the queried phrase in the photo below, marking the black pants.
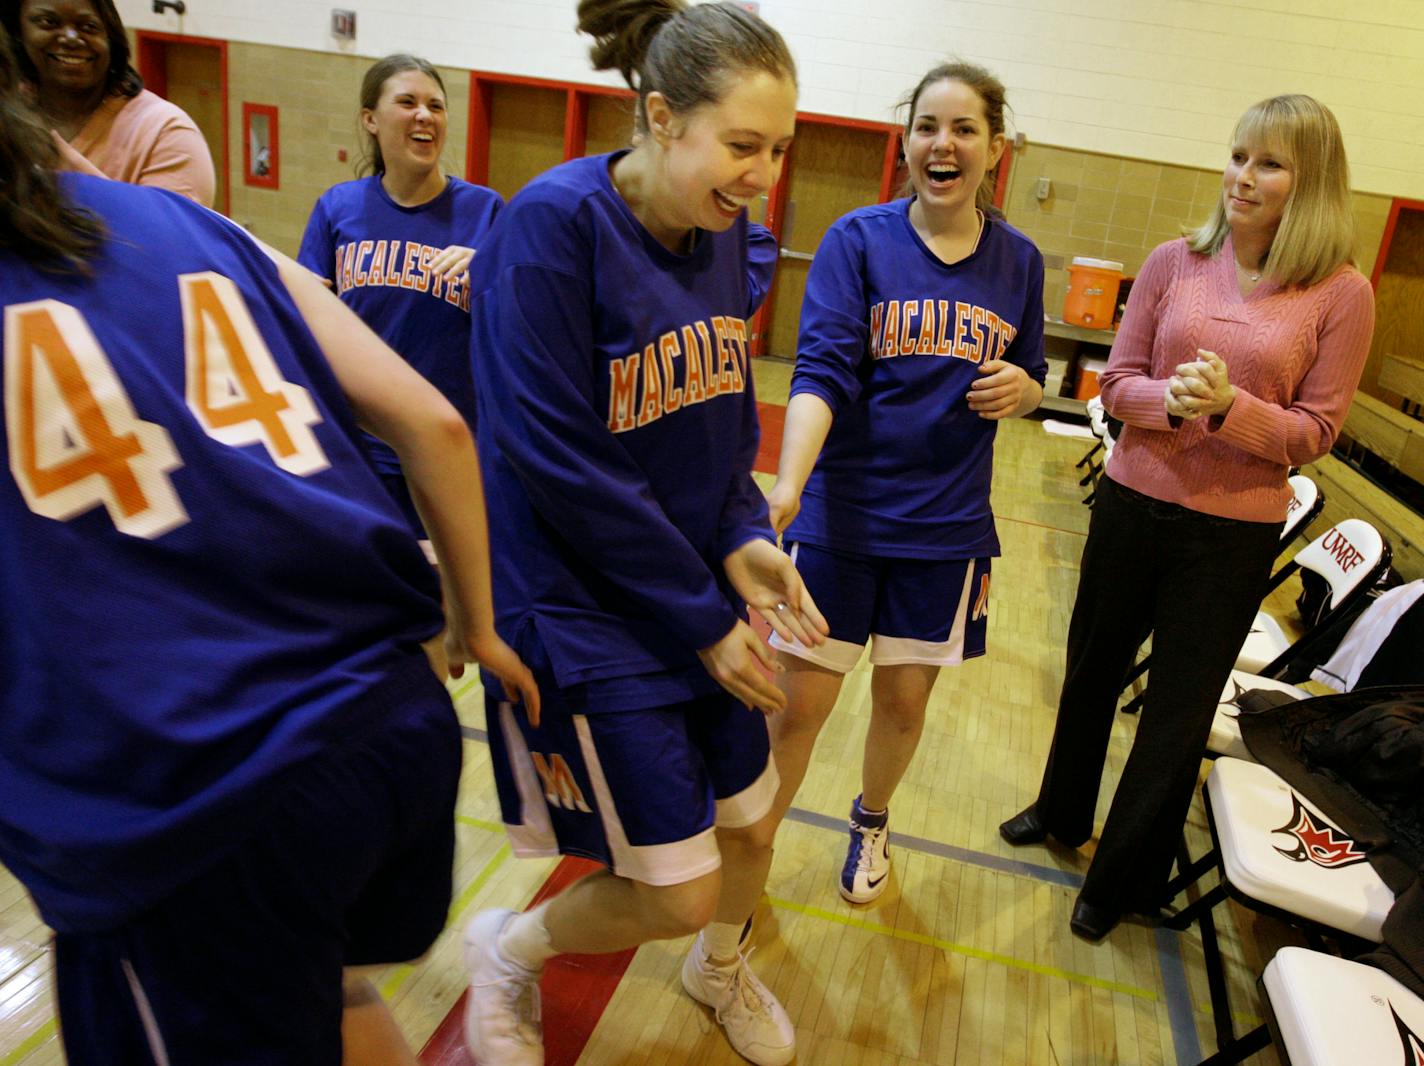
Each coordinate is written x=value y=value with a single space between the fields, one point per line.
x=1194 y=581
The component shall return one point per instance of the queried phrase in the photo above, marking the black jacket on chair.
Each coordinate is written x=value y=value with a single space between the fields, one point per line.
x=1359 y=757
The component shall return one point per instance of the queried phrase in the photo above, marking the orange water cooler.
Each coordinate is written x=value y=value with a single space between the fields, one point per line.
x=1091 y=300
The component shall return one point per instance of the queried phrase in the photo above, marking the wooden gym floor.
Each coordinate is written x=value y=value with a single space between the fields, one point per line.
x=966 y=959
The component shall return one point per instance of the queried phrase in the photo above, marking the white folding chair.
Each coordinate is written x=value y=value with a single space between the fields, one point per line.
x=1329 y=1011
x=1307 y=501
x=1278 y=855
x=1351 y=555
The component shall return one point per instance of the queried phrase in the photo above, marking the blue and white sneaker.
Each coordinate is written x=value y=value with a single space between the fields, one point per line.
x=867 y=862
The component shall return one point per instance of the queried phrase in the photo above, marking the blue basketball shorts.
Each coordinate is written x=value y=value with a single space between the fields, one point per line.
x=639 y=791
x=929 y=611
x=243 y=966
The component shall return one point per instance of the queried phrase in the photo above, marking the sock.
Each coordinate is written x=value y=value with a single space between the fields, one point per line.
x=866 y=817
x=720 y=940
x=525 y=940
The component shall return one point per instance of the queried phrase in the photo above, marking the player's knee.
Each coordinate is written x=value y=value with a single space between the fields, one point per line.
x=758 y=836
x=673 y=911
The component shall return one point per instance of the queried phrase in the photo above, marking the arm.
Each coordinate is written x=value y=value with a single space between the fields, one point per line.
x=1305 y=429
x=438 y=457
x=1011 y=387
x=1129 y=391
x=834 y=338
x=318 y=250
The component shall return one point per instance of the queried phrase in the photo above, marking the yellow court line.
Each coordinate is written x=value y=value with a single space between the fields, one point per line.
x=31 y=1043
x=401 y=974
x=969 y=952
x=479 y=823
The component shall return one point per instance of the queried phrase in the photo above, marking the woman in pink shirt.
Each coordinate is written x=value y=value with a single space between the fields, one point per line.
x=1237 y=359
x=75 y=56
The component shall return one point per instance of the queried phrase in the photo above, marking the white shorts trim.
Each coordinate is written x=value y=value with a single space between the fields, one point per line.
x=533 y=837
x=837 y=655
x=429 y=549
x=156 y=1046
x=752 y=803
x=652 y=864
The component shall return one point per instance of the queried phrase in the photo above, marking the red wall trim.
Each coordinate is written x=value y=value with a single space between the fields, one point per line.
x=1001 y=183
x=1395 y=208
x=152 y=64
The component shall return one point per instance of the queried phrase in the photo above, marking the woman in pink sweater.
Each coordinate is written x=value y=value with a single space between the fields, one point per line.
x=1237 y=359
x=75 y=56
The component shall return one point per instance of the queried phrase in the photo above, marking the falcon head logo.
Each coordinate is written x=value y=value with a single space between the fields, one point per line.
x=1317 y=841
x=1413 y=1042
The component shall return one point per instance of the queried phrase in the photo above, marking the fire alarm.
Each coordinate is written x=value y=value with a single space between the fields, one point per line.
x=343 y=24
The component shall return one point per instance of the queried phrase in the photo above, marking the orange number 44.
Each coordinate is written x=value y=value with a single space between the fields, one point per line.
x=76 y=442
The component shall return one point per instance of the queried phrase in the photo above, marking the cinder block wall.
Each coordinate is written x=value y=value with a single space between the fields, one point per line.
x=317 y=96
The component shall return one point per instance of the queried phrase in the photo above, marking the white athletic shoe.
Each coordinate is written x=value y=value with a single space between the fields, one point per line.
x=867 y=865
x=502 y=1024
x=755 y=1023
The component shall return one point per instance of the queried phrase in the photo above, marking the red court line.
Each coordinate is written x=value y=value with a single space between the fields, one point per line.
x=773 y=417
x=576 y=990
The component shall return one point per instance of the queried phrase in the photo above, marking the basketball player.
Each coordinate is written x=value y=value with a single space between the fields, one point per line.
x=396 y=245
x=921 y=327
x=619 y=424
x=227 y=770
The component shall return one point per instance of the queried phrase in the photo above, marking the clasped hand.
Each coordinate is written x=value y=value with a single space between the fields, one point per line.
x=1199 y=388
x=765 y=577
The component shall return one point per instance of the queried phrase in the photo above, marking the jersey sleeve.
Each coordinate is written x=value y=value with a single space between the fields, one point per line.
x=762 y=252
x=535 y=366
x=835 y=326
x=1026 y=349
x=745 y=515
x=318 y=250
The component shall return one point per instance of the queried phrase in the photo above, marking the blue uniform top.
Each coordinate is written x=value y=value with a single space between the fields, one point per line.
x=376 y=254
x=618 y=428
x=891 y=339
x=204 y=582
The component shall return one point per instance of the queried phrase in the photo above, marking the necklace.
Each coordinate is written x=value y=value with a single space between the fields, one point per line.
x=1251 y=275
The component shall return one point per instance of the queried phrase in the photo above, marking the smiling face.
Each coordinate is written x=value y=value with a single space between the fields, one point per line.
x=722 y=155
x=1255 y=187
x=949 y=147
x=68 y=44
x=408 y=123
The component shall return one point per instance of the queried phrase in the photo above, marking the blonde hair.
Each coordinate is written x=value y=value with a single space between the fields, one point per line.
x=1317 y=229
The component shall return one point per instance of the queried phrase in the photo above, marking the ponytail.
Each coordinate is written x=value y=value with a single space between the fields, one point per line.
x=688 y=54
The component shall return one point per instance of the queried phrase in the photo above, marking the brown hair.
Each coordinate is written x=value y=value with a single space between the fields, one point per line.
x=120 y=78
x=686 y=53
x=1317 y=230
x=36 y=223
x=990 y=91
x=371 y=87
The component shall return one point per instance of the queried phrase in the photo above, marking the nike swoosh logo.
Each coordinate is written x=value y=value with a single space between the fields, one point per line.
x=871 y=884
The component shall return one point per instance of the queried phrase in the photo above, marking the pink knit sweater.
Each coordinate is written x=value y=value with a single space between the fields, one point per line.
x=1295 y=356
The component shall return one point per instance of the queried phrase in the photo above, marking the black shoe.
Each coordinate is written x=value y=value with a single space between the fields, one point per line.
x=1092 y=923
x=1026 y=827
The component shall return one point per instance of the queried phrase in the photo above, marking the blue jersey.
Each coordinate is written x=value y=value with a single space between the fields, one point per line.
x=618 y=428
x=891 y=339
x=376 y=254
x=204 y=582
